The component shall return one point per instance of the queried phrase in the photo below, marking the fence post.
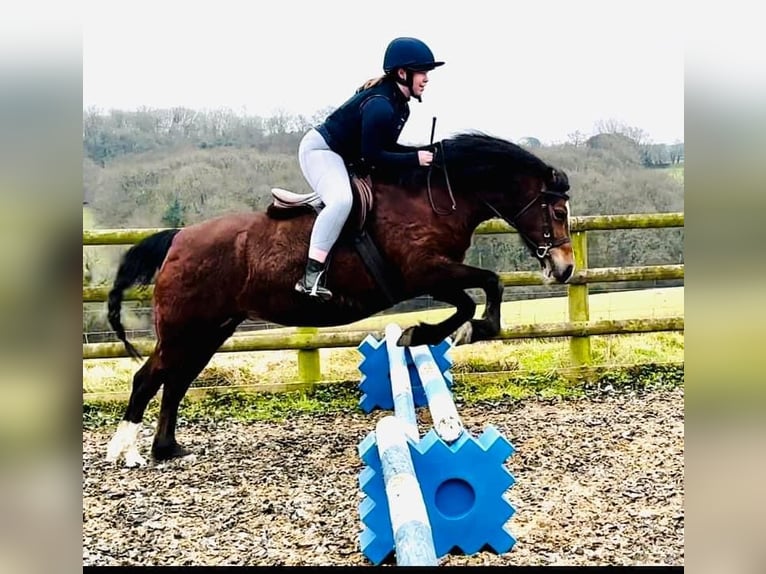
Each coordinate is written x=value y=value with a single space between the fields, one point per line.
x=579 y=347
x=309 y=369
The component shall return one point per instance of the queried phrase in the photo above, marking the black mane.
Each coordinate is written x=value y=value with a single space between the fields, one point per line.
x=476 y=150
x=472 y=157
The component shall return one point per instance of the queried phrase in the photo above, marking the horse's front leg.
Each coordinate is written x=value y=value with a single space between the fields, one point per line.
x=450 y=281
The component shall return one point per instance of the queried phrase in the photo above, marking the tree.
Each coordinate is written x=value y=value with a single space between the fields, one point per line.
x=576 y=138
x=619 y=147
x=676 y=152
x=175 y=214
x=530 y=142
x=655 y=155
x=616 y=127
x=279 y=123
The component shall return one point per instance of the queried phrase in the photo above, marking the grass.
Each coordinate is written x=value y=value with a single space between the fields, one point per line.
x=677 y=172
x=490 y=370
x=343 y=397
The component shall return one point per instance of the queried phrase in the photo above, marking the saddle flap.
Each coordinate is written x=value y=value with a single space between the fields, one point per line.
x=285 y=198
x=362 y=186
x=285 y=202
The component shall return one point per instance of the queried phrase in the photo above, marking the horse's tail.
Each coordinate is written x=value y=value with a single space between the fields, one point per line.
x=138 y=266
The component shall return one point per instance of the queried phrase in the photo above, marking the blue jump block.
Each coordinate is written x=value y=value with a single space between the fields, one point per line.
x=375 y=382
x=464 y=489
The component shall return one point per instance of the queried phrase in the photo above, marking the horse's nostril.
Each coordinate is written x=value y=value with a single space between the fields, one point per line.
x=567 y=273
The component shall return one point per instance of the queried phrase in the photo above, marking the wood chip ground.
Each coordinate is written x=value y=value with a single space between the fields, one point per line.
x=600 y=480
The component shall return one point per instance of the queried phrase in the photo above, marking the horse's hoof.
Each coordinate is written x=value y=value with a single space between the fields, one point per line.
x=112 y=454
x=166 y=452
x=125 y=440
x=133 y=459
x=463 y=335
x=405 y=340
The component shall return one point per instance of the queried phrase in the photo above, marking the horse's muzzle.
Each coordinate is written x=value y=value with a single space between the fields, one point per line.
x=567 y=273
x=558 y=266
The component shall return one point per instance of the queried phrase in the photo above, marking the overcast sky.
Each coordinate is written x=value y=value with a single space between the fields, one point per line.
x=542 y=68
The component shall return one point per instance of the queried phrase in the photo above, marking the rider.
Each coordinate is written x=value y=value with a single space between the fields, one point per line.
x=362 y=133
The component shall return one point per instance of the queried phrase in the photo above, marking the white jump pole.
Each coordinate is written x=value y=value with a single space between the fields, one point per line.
x=413 y=538
x=401 y=389
x=446 y=420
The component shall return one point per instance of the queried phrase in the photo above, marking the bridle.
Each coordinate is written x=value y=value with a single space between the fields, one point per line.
x=541 y=250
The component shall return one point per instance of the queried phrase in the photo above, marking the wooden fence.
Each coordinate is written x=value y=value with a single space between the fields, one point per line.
x=308 y=341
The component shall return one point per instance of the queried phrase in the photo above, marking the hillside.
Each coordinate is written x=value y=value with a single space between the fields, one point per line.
x=139 y=176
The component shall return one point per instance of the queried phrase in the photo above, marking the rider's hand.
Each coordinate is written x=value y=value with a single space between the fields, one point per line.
x=425 y=157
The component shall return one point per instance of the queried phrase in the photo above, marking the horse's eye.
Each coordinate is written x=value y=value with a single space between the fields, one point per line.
x=560 y=214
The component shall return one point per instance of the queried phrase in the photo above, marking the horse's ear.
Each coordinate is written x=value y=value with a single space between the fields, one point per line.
x=557 y=180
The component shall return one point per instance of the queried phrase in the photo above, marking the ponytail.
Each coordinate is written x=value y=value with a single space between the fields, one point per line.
x=371 y=83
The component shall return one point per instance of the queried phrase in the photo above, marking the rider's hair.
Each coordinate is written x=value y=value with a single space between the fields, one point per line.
x=371 y=83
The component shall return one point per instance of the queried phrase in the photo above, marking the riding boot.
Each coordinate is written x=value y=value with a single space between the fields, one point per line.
x=310 y=283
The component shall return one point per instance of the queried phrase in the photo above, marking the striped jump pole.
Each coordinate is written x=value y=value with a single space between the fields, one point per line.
x=426 y=498
x=401 y=388
x=446 y=420
x=413 y=538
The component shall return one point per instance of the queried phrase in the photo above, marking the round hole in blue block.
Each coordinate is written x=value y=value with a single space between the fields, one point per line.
x=455 y=498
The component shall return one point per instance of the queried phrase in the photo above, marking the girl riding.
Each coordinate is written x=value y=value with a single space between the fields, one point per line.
x=361 y=135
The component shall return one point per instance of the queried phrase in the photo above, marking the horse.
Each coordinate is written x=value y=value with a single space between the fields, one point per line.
x=212 y=275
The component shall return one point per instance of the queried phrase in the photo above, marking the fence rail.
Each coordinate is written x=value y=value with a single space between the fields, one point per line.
x=332 y=340
x=509 y=279
x=494 y=226
x=307 y=341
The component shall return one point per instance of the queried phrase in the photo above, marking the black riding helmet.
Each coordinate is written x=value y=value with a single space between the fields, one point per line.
x=411 y=54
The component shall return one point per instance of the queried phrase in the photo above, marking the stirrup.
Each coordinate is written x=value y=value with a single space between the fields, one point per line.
x=316 y=290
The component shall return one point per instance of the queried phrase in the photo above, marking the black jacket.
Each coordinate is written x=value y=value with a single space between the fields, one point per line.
x=364 y=130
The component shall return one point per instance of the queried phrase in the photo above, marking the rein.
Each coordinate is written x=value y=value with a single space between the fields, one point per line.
x=449 y=187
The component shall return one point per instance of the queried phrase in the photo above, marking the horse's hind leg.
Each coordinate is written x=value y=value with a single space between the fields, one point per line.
x=146 y=382
x=183 y=359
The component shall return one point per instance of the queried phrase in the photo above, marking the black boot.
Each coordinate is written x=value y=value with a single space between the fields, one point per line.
x=310 y=283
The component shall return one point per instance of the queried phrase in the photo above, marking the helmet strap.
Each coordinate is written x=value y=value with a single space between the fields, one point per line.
x=407 y=82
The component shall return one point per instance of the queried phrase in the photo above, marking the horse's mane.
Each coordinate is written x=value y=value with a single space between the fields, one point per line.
x=476 y=155
x=476 y=149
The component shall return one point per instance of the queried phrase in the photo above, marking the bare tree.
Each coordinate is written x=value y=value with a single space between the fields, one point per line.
x=576 y=138
x=676 y=152
x=613 y=126
x=279 y=123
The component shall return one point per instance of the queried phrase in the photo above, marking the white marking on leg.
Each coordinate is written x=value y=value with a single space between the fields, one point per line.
x=125 y=440
x=463 y=334
x=133 y=457
x=117 y=444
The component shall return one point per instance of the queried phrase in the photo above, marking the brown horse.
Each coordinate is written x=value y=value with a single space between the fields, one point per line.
x=214 y=274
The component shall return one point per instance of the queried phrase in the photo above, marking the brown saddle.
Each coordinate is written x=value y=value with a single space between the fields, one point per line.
x=287 y=204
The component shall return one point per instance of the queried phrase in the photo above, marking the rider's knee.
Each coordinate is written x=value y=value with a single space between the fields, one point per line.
x=343 y=203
